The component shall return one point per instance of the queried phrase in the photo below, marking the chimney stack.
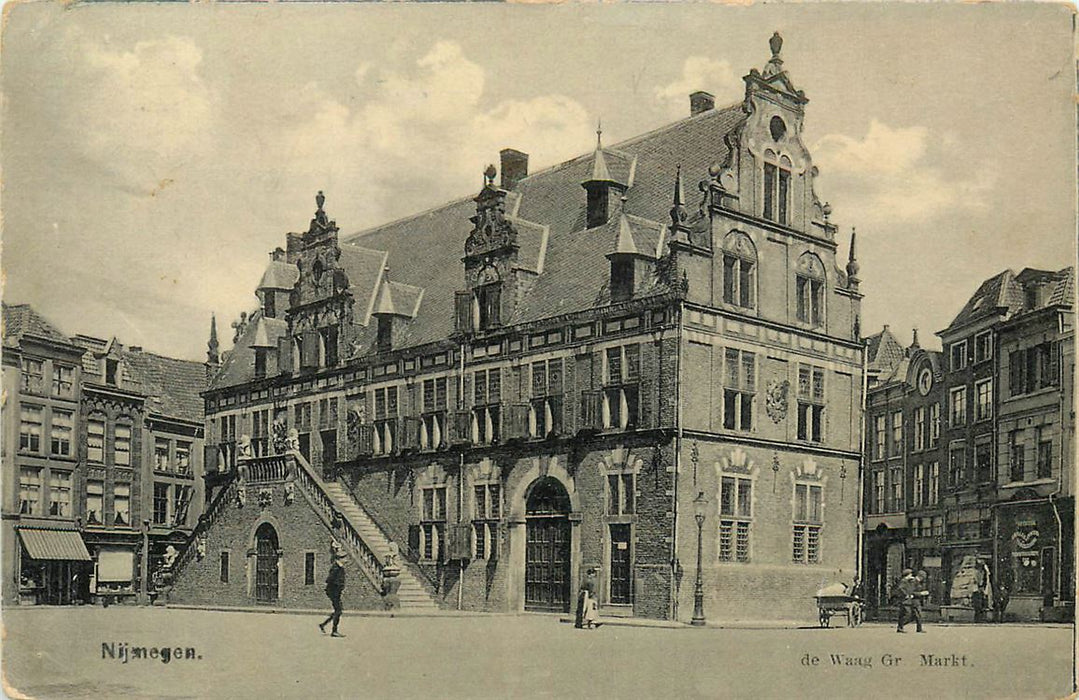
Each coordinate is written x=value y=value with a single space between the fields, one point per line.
x=701 y=101
x=514 y=167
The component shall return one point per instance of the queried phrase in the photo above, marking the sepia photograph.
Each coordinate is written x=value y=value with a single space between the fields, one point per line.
x=453 y=350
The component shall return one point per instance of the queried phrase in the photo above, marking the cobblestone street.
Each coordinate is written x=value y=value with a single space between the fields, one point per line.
x=68 y=653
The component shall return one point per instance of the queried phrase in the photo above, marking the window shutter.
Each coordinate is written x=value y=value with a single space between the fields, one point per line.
x=463 y=307
x=494 y=305
x=209 y=458
x=284 y=354
x=310 y=349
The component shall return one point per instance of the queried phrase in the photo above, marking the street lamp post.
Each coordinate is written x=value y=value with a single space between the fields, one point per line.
x=144 y=565
x=699 y=504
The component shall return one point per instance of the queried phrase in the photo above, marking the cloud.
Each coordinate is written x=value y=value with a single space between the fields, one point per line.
x=149 y=108
x=419 y=131
x=899 y=175
x=702 y=73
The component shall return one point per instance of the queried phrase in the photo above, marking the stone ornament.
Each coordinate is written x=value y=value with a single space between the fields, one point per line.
x=290 y=492
x=776 y=400
x=200 y=548
x=170 y=556
x=280 y=437
x=293 y=440
x=265 y=497
x=244 y=450
x=241 y=497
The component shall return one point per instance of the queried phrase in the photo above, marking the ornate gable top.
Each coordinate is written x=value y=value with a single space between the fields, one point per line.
x=774 y=77
x=491 y=230
x=321 y=224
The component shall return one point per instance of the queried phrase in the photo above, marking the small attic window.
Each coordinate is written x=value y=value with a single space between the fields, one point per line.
x=260 y=363
x=112 y=370
x=622 y=282
x=384 y=340
x=778 y=128
x=598 y=206
x=269 y=305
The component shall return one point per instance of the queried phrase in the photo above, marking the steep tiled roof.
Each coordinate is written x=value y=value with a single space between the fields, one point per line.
x=238 y=366
x=171 y=386
x=21 y=320
x=279 y=275
x=1063 y=290
x=574 y=257
x=885 y=352
x=1000 y=293
x=364 y=268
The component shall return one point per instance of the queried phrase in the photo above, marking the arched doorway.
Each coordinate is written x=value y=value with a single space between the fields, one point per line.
x=547 y=548
x=266 y=560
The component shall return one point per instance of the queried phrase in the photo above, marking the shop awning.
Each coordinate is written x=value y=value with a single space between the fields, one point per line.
x=53 y=544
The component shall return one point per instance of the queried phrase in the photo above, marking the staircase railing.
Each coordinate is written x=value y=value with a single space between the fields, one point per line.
x=224 y=495
x=314 y=489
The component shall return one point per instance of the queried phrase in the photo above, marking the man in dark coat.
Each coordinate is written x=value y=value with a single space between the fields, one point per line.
x=335 y=585
x=908 y=610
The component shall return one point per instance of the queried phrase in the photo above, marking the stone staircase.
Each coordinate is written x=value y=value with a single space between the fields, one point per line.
x=412 y=594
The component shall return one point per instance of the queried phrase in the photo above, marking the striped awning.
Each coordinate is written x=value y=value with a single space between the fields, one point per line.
x=53 y=544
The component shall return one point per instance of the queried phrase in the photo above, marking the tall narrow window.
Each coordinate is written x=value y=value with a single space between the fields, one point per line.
x=30 y=422
x=934 y=483
x=161 y=503
x=622 y=278
x=621 y=393
x=897 y=433
x=983 y=392
x=486 y=512
x=95 y=440
x=224 y=573
x=956 y=460
x=121 y=448
x=95 y=502
x=919 y=429
x=878 y=492
x=896 y=482
x=777 y=179
x=63 y=379
x=809 y=288
x=958 y=411
x=917 y=497
x=60 y=494
x=735 y=517
x=983 y=461
x=161 y=455
x=121 y=503
x=433 y=522
x=810 y=403
x=33 y=376
x=61 y=432
x=808 y=520
x=1016 y=450
x=739 y=389
x=545 y=405
x=308 y=568
x=29 y=491
x=487 y=306
x=739 y=270
x=880 y=432
x=934 y=424
x=486 y=406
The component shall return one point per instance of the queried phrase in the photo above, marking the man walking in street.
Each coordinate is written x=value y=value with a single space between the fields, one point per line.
x=908 y=589
x=335 y=585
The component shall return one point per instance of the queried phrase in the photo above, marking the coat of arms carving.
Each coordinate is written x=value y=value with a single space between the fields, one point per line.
x=776 y=400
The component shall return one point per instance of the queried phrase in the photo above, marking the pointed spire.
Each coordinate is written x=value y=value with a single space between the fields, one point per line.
x=678 y=206
x=852 y=262
x=213 y=348
x=599 y=134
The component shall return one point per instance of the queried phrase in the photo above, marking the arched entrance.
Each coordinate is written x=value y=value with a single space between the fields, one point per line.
x=266 y=560
x=547 y=549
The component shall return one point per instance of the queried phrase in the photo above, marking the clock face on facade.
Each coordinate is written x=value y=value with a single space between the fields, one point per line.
x=925 y=380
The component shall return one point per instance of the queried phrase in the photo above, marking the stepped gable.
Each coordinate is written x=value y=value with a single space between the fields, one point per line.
x=22 y=320
x=553 y=201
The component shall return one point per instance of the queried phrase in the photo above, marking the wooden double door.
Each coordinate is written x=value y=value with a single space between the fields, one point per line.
x=548 y=547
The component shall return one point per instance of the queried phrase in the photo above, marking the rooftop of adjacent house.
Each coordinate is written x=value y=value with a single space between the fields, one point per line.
x=172 y=387
x=1006 y=294
x=884 y=351
x=22 y=320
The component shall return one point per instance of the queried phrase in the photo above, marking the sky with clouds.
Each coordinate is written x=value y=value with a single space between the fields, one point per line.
x=153 y=155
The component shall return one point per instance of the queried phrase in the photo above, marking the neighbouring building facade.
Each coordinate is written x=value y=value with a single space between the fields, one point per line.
x=105 y=443
x=498 y=394
x=970 y=452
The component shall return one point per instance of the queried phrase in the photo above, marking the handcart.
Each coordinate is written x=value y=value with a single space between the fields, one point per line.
x=834 y=600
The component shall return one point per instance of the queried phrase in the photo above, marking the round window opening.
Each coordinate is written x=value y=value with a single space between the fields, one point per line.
x=778 y=128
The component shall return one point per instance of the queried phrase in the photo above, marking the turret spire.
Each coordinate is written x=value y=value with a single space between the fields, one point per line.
x=678 y=207
x=213 y=348
x=852 y=262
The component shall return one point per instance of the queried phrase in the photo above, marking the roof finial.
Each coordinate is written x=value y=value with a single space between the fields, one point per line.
x=489 y=175
x=776 y=44
x=852 y=262
x=320 y=199
x=678 y=208
x=213 y=347
x=599 y=134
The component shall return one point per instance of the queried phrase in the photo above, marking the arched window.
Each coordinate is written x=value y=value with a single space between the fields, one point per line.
x=810 y=285
x=777 y=186
x=739 y=270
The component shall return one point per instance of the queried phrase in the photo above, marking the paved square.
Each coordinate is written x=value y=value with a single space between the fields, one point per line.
x=58 y=653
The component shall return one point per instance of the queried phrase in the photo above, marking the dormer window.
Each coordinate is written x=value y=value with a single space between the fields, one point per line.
x=777 y=184
x=598 y=201
x=112 y=371
x=328 y=346
x=487 y=306
x=260 y=363
x=384 y=339
x=622 y=279
x=810 y=285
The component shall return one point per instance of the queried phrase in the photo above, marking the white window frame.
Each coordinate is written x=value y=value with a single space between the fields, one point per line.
x=959 y=344
x=737 y=523
x=989 y=352
x=955 y=420
x=988 y=414
x=807 y=527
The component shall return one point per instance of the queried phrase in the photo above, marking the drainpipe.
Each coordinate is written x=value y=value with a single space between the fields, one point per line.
x=860 y=546
x=677 y=452
x=461 y=487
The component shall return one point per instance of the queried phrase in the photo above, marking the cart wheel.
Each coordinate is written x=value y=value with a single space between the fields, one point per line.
x=855 y=615
x=823 y=617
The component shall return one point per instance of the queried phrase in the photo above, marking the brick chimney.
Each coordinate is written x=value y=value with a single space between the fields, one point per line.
x=701 y=101
x=514 y=167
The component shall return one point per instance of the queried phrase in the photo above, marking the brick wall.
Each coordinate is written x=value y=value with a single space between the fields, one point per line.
x=299 y=530
x=770 y=585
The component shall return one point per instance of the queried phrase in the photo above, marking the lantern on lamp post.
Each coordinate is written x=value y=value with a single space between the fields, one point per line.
x=699 y=504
